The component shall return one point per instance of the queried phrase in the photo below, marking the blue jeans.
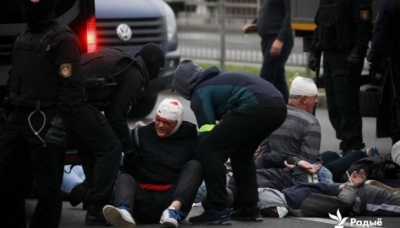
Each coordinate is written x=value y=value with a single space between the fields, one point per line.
x=325 y=176
x=273 y=68
x=200 y=193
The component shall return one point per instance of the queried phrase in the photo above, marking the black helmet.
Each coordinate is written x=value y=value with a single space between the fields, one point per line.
x=154 y=58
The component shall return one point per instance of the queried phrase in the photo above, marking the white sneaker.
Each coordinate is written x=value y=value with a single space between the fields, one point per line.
x=118 y=217
x=169 y=218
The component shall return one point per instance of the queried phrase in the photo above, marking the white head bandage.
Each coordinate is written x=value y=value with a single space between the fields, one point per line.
x=303 y=87
x=396 y=152
x=171 y=109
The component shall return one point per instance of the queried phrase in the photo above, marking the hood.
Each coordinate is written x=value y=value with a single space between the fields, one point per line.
x=188 y=74
x=123 y=9
x=184 y=76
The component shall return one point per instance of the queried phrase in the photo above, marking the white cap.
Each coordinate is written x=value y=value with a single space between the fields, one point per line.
x=396 y=153
x=171 y=109
x=303 y=86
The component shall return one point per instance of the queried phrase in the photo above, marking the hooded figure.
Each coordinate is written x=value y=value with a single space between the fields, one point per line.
x=234 y=111
x=39 y=13
x=184 y=75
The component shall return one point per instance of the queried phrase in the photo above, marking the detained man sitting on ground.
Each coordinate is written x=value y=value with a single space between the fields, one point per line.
x=297 y=141
x=160 y=180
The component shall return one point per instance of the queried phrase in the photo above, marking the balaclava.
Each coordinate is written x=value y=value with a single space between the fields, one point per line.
x=154 y=58
x=171 y=109
x=183 y=75
x=39 y=12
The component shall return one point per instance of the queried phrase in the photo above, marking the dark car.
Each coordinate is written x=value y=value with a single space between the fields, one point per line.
x=129 y=24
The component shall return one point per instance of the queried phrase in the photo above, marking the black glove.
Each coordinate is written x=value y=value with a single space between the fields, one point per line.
x=57 y=131
x=374 y=69
x=130 y=159
x=356 y=55
x=313 y=61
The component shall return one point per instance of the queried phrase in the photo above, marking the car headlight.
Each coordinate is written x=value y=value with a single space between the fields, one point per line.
x=171 y=22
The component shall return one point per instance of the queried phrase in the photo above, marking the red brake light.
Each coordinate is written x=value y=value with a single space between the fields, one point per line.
x=91 y=38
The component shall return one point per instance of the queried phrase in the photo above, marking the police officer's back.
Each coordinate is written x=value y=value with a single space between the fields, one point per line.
x=113 y=79
x=115 y=82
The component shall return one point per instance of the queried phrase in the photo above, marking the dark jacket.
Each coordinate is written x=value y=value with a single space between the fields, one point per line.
x=319 y=199
x=161 y=159
x=45 y=69
x=125 y=79
x=214 y=93
x=274 y=18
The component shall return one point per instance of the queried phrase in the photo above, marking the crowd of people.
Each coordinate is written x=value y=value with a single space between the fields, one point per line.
x=153 y=173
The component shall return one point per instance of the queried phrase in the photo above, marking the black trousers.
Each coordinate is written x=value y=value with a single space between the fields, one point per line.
x=100 y=151
x=237 y=137
x=147 y=206
x=23 y=158
x=342 y=87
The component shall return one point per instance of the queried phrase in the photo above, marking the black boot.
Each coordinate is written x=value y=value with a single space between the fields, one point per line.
x=95 y=217
x=78 y=194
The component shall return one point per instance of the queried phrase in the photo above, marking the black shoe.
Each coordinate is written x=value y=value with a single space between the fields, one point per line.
x=247 y=214
x=78 y=194
x=212 y=217
x=95 y=217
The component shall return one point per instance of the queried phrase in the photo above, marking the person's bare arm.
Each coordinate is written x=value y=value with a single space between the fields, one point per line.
x=306 y=166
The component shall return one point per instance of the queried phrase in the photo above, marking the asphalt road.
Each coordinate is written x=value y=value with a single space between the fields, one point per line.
x=74 y=217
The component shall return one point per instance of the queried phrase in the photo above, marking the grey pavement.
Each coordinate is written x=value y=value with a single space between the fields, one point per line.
x=74 y=217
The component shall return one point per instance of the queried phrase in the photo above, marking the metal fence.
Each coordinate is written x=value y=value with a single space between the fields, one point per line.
x=212 y=30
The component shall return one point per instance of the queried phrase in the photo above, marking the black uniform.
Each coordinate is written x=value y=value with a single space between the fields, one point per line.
x=343 y=31
x=113 y=81
x=384 y=56
x=94 y=135
x=44 y=88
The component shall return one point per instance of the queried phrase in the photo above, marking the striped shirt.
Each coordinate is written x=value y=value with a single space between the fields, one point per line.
x=299 y=137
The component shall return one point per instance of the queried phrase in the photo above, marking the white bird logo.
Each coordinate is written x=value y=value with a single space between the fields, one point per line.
x=338 y=218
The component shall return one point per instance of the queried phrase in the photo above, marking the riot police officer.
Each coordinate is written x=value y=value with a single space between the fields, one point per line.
x=113 y=81
x=384 y=56
x=344 y=29
x=44 y=87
